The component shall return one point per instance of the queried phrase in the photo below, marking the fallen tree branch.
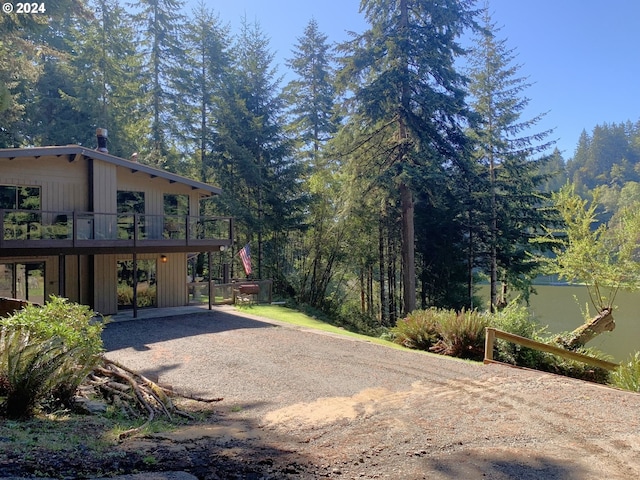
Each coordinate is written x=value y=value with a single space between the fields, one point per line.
x=136 y=394
x=603 y=322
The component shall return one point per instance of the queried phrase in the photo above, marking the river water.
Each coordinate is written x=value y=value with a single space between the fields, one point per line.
x=560 y=308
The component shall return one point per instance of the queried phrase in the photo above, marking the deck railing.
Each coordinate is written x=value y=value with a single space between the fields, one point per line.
x=34 y=228
x=260 y=291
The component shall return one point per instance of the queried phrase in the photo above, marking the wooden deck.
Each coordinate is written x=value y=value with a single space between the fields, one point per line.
x=33 y=232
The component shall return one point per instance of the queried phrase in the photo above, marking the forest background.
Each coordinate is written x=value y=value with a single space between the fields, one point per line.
x=380 y=177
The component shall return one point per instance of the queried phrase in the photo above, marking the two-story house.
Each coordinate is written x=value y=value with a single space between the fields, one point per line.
x=100 y=230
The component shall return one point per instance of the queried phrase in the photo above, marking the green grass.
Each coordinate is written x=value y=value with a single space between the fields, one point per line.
x=295 y=317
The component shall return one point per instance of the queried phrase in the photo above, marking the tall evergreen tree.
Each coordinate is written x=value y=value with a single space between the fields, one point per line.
x=311 y=95
x=26 y=42
x=409 y=97
x=312 y=100
x=161 y=27
x=254 y=163
x=101 y=81
x=506 y=151
x=199 y=82
x=556 y=172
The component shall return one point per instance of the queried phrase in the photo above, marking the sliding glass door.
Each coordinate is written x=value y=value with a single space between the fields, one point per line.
x=24 y=281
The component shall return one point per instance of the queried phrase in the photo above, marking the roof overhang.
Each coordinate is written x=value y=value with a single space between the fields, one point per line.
x=76 y=152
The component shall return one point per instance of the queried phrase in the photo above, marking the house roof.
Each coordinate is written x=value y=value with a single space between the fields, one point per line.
x=75 y=152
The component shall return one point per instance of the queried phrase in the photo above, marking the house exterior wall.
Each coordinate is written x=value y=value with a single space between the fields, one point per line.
x=105 y=287
x=171 y=281
x=63 y=184
x=104 y=185
x=172 y=278
x=51 y=272
x=78 y=183
x=154 y=190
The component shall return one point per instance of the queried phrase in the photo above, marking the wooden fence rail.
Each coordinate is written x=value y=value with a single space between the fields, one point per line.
x=492 y=334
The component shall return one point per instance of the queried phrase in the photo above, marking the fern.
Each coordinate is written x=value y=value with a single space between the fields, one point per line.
x=627 y=376
x=32 y=368
x=418 y=330
x=462 y=334
x=46 y=353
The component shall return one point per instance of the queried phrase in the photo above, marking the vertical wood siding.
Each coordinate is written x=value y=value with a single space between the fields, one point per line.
x=104 y=187
x=63 y=183
x=172 y=278
x=105 y=287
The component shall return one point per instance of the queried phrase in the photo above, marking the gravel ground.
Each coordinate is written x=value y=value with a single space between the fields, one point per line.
x=300 y=403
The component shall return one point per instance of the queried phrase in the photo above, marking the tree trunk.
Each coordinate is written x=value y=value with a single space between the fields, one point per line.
x=603 y=322
x=406 y=195
x=391 y=277
x=408 y=250
x=362 y=298
x=384 y=301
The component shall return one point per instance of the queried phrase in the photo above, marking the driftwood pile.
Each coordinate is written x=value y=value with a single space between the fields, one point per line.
x=135 y=395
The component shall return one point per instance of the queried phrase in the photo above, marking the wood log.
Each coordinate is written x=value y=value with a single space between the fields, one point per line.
x=603 y=322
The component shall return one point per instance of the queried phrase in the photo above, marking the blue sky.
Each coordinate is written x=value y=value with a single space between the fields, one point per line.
x=582 y=56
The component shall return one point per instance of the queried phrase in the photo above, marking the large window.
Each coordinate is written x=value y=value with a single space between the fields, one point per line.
x=146 y=282
x=20 y=225
x=23 y=280
x=176 y=209
x=175 y=204
x=19 y=198
x=130 y=202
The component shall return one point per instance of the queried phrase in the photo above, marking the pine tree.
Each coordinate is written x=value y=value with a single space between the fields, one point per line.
x=254 y=163
x=312 y=100
x=99 y=82
x=199 y=82
x=409 y=98
x=161 y=27
x=507 y=155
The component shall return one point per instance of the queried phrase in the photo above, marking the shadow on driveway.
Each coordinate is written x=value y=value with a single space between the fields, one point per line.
x=138 y=334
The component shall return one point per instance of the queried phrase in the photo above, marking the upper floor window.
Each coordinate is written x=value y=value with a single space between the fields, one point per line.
x=176 y=204
x=130 y=202
x=19 y=198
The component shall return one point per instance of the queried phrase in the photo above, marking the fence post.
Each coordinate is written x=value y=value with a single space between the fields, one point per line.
x=490 y=337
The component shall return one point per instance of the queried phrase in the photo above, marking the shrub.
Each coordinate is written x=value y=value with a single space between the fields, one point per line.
x=575 y=369
x=418 y=330
x=462 y=334
x=627 y=376
x=31 y=369
x=48 y=350
x=515 y=319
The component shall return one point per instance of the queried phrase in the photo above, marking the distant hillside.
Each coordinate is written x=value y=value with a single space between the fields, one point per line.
x=609 y=156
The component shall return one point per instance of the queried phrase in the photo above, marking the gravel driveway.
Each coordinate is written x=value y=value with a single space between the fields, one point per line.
x=300 y=403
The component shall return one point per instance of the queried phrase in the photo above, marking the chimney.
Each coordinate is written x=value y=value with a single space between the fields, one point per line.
x=101 y=134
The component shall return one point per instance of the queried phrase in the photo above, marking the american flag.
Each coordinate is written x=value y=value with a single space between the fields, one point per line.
x=245 y=255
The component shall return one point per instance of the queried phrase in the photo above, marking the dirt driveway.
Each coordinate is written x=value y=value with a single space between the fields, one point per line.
x=305 y=404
